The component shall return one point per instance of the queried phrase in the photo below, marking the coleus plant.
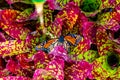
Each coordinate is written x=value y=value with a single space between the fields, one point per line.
x=23 y=60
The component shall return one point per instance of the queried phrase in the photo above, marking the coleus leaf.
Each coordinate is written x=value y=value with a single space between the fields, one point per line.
x=5 y=72
x=87 y=29
x=109 y=20
x=55 y=67
x=24 y=15
x=24 y=1
x=59 y=51
x=6 y=36
x=17 y=31
x=40 y=59
x=112 y=2
x=89 y=55
x=21 y=6
x=33 y=39
x=4 y=4
x=7 y=15
x=30 y=24
x=42 y=74
x=2 y=63
x=117 y=50
x=69 y=15
x=81 y=48
x=34 y=15
x=15 y=78
x=8 y=24
x=23 y=60
x=47 y=16
x=13 y=47
x=103 y=42
x=2 y=37
x=116 y=75
x=114 y=36
x=26 y=72
x=116 y=15
x=56 y=27
x=54 y=70
x=12 y=66
x=76 y=71
x=52 y=4
x=101 y=69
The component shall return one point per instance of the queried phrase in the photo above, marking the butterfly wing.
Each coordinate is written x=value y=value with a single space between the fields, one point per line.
x=49 y=43
x=73 y=39
x=46 y=46
x=70 y=39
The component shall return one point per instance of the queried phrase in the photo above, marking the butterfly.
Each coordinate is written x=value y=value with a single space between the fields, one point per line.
x=66 y=41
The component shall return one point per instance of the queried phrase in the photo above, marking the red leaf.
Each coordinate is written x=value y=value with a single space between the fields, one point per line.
x=12 y=66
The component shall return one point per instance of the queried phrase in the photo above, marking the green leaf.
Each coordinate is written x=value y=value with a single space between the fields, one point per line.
x=23 y=16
